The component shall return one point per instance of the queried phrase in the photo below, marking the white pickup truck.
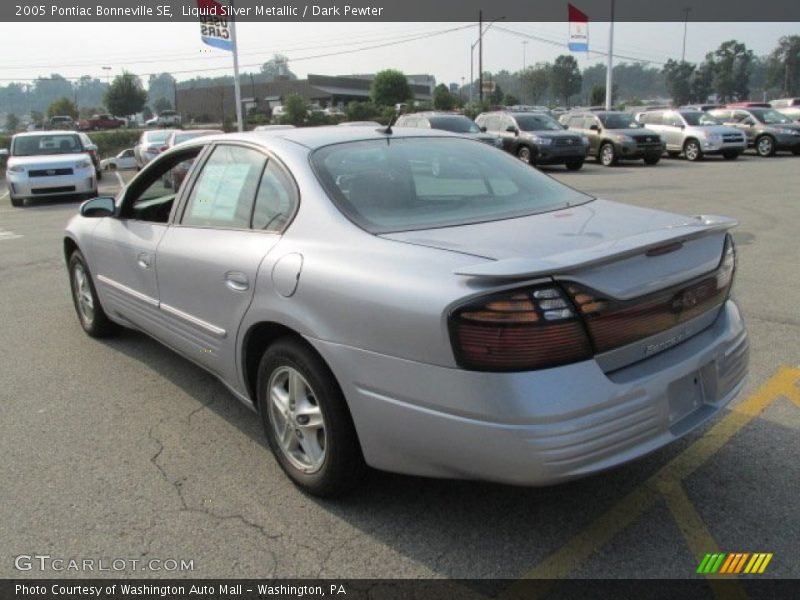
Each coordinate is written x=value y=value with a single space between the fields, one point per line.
x=167 y=118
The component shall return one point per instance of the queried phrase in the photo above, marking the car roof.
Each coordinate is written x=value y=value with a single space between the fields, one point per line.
x=317 y=137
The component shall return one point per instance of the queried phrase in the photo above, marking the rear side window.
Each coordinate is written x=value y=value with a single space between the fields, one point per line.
x=276 y=200
x=225 y=189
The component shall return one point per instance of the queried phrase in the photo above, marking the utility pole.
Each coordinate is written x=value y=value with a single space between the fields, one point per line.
x=609 y=72
x=237 y=90
x=524 y=48
x=685 y=26
x=480 y=56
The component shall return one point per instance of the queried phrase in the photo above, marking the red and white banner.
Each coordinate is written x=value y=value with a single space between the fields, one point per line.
x=578 y=30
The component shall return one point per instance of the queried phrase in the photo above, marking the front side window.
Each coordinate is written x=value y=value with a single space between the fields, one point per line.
x=225 y=190
x=412 y=183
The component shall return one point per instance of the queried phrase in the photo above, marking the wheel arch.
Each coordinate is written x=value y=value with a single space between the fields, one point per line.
x=70 y=246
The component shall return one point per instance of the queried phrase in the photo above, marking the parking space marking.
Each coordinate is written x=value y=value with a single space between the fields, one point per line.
x=666 y=483
x=120 y=179
x=8 y=235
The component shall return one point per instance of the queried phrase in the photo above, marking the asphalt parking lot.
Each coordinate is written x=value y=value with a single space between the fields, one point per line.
x=122 y=449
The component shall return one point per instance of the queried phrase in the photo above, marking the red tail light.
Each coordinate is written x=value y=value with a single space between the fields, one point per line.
x=614 y=323
x=518 y=330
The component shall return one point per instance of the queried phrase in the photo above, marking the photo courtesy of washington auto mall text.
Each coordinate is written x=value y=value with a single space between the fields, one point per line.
x=388 y=300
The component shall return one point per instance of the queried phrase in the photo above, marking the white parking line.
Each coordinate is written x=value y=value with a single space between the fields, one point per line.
x=8 y=235
x=120 y=179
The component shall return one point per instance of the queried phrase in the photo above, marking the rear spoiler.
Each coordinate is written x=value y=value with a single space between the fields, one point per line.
x=574 y=260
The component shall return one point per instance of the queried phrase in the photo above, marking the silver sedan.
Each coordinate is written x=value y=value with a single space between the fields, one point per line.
x=418 y=302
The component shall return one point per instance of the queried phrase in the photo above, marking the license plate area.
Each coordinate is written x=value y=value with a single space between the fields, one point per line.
x=685 y=397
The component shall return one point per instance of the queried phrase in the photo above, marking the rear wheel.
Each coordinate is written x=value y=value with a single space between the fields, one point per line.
x=692 y=150
x=306 y=420
x=608 y=156
x=765 y=146
x=574 y=164
x=90 y=313
x=525 y=155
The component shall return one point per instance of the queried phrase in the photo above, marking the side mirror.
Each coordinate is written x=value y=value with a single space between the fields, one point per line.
x=96 y=208
x=91 y=147
x=594 y=128
x=483 y=129
x=512 y=129
x=3 y=151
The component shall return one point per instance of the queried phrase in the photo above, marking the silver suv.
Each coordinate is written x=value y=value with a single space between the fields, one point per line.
x=694 y=133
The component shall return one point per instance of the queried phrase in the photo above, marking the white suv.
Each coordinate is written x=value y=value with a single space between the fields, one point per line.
x=52 y=163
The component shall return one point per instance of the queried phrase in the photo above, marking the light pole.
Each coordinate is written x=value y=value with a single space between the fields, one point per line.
x=479 y=42
x=108 y=74
x=685 y=25
x=524 y=48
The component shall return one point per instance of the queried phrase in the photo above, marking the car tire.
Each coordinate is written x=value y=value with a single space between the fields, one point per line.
x=730 y=155
x=765 y=146
x=652 y=160
x=608 y=155
x=322 y=456
x=17 y=202
x=574 y=165
x=91 y=315
x=692 y=150
x=525 y=155
x=99 y=174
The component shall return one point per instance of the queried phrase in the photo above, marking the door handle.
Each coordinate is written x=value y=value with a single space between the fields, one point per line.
x=143 y=260
x=236 y=281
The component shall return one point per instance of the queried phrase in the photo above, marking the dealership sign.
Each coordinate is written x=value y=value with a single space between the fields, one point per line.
x=215 y=25
x=578 y=30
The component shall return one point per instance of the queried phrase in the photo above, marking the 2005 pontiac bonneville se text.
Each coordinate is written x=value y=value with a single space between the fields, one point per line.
x=418 y=302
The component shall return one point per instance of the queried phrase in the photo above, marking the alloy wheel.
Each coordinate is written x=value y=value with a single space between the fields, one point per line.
x=83 y=294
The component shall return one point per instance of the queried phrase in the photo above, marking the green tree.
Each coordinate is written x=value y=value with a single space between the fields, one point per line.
x=598 y=95
x=536 y=81
x=510 y=100
x=496 y=96
x=442 y=98
x=12 y=122
x=161 y=86
x=565 y=77
x=784 y=66
x=678 y=77
x=360 y=111
x=296 y=110
x=702 y=82
x=63 y=106
x=732 y=65
x=390 y=87
x=125 y=95
x=162 y=104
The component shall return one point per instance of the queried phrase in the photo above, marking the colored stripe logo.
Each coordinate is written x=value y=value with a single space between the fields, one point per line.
x=734 y=562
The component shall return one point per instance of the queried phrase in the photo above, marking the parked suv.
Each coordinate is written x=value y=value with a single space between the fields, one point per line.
x=536 y=138
x=615 y=136
x=694 y=133
x=766 y=129
x=449 y=122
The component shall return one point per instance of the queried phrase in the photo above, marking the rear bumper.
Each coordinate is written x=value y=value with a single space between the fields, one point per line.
x=540 y=427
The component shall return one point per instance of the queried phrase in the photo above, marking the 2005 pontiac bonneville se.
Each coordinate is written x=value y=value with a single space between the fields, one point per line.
x=418 y=302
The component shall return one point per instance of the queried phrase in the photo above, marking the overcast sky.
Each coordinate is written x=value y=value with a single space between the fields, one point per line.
x=29 y=50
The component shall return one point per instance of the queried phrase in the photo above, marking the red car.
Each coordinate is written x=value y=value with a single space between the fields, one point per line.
x=100 y=122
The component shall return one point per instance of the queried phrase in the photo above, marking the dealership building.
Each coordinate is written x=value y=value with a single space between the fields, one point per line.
x=216 y=103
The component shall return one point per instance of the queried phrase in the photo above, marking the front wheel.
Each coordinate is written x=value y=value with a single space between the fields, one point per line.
x=17 y=202
x=608 y=156
x=765 y=146
x=692 y=150
x=91 y=315
x=525 y=155
x=574 y=164
x=306 y=420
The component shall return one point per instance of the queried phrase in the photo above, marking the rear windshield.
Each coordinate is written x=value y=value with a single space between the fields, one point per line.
x=537 y=123
x=420 y=183
x=455 y=124
x=34 y=145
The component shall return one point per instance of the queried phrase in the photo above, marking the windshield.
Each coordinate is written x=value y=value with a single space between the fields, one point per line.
x=618 y=121
x=699 y=119
x=770 y=117
x=404 y=184
x=537 y=123
x=455 y=124
x=35 y=145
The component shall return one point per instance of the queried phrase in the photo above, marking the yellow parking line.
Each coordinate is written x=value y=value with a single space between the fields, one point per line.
x=665 y=482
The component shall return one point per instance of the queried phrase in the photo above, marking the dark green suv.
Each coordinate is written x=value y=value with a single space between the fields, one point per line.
x=615 y=136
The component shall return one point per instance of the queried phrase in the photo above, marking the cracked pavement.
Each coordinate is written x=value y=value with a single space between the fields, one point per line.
x=122 y=449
